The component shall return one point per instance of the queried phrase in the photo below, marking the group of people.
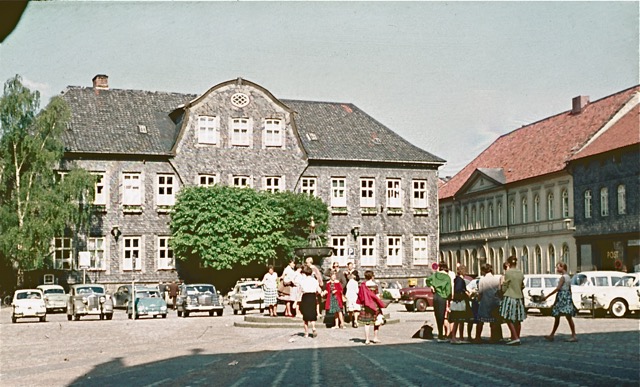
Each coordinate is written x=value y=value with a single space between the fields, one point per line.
x=305 y=290
x=496 y=300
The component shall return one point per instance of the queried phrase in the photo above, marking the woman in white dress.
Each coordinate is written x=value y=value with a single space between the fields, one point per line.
x=270 y=286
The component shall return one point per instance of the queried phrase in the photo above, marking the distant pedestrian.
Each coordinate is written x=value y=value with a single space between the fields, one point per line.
x=352 y=300
x=563 y=305
x=310 y=289
x=371 y=307
x=173 y=293
x=440 y=283
x=512 y=306
x=333 y=304
x=270 y=286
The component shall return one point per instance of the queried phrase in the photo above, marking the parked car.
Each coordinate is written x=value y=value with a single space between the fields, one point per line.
x=54 y=297
x=537 y=286
x=149 y=302
x=198 y=298
x=419 y=298
x=89 y=300
x=246 y=295
x=393 y=288
x=28 y=303
x=606 y=291
x=122 y=295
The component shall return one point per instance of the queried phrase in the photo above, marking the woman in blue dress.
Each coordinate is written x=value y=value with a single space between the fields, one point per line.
x=564 y=303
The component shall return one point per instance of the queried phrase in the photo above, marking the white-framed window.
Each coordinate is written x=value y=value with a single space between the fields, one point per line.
x=166 y=193
x=101 y=197
x=368 y=250
x=165 y=254
x=273 y=133
x=604 y=201
x=420 y=250
x=419 y=198
x=132 y=253
x=132 y=189
x=241 y=181
x=367 y=192
x=309 y=185
x=339 y=244
x=208 y=130
x=536 y=208
x=205 y=180
x=273 y=183
x=338 y=192
x=63 y=253
x=96 y=248
x=394 y=199
x=525 y=210
x=550 y=204
x=622 y=200
x=241 y=132
x=587 y=203
x=394 y=250
x=565 y=204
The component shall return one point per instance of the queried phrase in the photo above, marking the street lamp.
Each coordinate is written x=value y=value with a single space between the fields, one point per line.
x=115 y=231
x=355 y=231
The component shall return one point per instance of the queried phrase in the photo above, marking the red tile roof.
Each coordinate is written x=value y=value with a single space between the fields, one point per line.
x=625 y=132
x=542 y=147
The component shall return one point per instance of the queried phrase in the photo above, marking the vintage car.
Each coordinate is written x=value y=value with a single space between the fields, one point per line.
x=246 y=295
x=537 y=286
x=606 y=291
x=28 y=303
x=54 y=297
x=393 y=290
x=149 y=302
x=122 y=295
x=198 y=298
x=89 y=300
x=419 y=298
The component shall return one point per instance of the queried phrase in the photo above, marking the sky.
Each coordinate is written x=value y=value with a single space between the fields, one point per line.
x=449 y=77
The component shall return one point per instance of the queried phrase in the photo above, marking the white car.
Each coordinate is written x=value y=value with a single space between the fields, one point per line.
x=54 y=297
x=28 y=303
x=246 y=295
x=394 y=290
x=606 y=291
x=537 y=286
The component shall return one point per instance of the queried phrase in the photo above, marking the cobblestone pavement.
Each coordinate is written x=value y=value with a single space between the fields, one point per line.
x=203 y=350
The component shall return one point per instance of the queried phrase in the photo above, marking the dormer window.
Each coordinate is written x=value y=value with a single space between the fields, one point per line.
x=208 y=130
x=241 y=132
x=273 y=133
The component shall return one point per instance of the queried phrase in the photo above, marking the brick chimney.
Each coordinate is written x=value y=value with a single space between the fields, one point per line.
x=101 y=81
x=579 y=103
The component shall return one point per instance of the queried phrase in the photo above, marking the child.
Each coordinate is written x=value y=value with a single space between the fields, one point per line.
x=333 y=304
x=352 y=297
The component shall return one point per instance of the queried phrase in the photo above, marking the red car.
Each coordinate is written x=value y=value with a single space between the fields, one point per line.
x=419 y=298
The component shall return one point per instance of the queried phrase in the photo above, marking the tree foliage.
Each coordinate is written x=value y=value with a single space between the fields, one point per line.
x=35 y=203
x=225 y=226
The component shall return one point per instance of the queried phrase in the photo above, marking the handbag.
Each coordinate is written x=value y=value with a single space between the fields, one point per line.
x=283 y=290
x=458 y=306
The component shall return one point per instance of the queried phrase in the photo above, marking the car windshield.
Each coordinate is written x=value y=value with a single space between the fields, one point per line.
x=626 y=281
x=200 y=289
x=147 y=293
x=244 y=288
x=54 y=291
x=29 y=296
x=89 y=290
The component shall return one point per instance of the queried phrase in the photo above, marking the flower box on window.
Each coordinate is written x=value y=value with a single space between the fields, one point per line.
x=339 y=210
x=100 y=208
x=129 y=209
x=368 y=210
x=421 y=211
x=164 y=209
x=394 y=211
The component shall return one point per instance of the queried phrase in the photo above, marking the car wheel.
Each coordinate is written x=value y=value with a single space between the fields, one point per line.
x=69 y=317
x=243 y=310
x=109 y=316
x=421 y=305
x=101 y=316
x=136 y=317
x=219 y=313
x=185 y=314
x=14 y=319
x=261 y=310
x=164 y=315
x=76 y=317
x=618 y=307
x=130 y=316
x=235 y=311
x=179 y=314
x=409 y=308
x=211 y=313
x=43 y=319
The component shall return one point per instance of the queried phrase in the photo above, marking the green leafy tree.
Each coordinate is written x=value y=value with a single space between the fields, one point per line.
x=225 y=226
x=35 y=204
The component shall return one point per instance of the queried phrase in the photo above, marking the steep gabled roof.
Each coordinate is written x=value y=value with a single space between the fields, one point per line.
x=543 y=147
x=106 y=121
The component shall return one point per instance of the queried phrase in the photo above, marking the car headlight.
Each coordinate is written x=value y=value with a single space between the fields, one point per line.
x=84 y=300
x=103 y=299
x=189 y=301
x=163 y=307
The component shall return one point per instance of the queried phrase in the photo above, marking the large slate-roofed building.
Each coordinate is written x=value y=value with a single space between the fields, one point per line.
x=381 y=190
